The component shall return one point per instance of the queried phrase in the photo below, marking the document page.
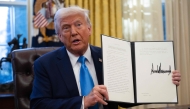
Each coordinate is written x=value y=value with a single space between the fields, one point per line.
x=154 y=66
x=117 y=69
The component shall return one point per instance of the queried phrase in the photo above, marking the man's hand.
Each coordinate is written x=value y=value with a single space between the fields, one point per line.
x=97 y=95
x=176 y=77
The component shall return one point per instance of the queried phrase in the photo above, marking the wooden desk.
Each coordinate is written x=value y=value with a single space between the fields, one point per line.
x=7 y=101
x=175 y=107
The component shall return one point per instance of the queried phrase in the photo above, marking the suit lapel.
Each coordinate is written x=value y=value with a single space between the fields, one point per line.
x=67 y=72
x=97 y=58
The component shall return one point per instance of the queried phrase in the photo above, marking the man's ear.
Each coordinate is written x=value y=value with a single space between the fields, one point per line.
x=90 y=29
x=59 y=35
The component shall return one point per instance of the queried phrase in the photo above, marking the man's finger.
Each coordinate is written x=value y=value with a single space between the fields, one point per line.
x=176 y=83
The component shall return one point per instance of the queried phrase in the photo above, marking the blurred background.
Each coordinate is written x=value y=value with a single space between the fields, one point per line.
x=132 y=20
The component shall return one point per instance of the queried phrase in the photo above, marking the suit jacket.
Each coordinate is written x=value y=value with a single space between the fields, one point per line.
x=54 y=85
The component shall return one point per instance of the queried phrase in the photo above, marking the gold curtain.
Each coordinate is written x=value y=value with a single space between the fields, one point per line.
x=178 y=26
x=105 y=16
x=142 y=20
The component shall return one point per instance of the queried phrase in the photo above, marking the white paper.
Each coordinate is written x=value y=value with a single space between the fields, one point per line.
x=152 y=85
x=117 y=68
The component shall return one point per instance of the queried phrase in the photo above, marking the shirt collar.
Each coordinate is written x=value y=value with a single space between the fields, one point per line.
x=74 y=58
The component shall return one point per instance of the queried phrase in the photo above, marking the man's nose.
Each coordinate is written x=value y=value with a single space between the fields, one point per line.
x=73 y=31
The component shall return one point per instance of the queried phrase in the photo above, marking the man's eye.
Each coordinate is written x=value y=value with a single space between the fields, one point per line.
x=65 y=28
x=79 y=24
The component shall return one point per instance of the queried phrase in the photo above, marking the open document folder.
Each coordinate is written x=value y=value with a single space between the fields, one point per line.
x=139 y=72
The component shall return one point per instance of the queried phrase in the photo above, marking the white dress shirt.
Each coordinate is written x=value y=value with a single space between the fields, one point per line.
x=76 y=67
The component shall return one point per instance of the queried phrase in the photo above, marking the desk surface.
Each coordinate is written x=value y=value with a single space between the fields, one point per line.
x=175 y=107
x=7 y=101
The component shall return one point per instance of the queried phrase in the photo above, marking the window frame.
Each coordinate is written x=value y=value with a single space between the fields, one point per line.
x=29 y=7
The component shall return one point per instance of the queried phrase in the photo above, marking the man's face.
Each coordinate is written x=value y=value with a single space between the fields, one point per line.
x=75 y=33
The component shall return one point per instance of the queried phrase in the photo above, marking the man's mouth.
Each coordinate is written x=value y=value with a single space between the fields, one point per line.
x=76 y=41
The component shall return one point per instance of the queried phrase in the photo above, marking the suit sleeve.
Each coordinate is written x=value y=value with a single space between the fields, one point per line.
x=42 y=93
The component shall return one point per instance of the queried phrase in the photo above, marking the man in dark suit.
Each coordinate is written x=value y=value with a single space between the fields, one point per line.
x=57 y=83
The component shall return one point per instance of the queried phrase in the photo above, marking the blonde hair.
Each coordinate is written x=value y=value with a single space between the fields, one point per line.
x=68 y=11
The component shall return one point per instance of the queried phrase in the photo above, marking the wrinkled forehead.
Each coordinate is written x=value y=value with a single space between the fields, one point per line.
x=73 y=19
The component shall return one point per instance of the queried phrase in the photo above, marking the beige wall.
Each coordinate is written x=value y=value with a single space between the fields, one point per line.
x=188 y=5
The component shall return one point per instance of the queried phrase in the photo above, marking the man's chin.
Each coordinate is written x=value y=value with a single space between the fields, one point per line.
x=79 y=51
